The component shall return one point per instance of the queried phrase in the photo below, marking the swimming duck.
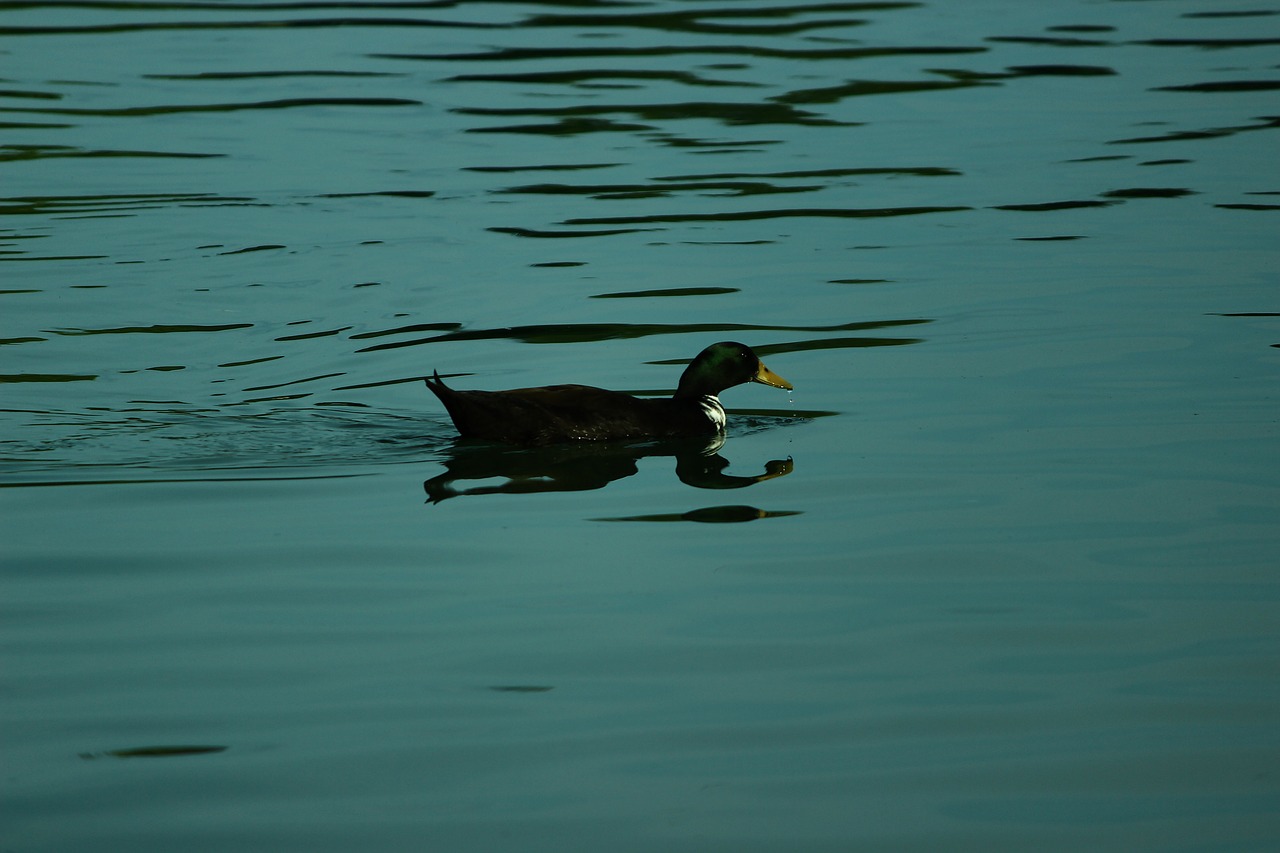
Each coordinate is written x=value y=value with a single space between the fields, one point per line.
x=560 y=413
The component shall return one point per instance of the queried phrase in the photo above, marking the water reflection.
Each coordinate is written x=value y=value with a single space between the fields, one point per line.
x=563 y=333
x=164 y=751
x=732 y=514
x=170 y=109
x=576 y=468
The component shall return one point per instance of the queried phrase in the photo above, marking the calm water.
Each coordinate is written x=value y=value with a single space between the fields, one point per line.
x=1000 y=574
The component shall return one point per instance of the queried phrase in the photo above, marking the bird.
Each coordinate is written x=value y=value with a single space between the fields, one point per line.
x=554 y=414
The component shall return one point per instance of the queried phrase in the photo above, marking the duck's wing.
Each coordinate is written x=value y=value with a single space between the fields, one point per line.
x=549 y=414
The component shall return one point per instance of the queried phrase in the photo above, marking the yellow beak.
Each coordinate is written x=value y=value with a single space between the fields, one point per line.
x=765 y=376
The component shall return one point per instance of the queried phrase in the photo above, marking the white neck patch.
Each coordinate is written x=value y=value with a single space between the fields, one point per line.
x=710 y=405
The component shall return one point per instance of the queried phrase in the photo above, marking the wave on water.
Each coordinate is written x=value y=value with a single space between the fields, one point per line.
x=198 y=445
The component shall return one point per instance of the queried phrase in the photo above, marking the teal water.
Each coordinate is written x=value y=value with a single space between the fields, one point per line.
x=999 y=574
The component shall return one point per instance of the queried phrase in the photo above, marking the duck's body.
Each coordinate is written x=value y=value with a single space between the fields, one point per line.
x=562 y=413
x=557 y=413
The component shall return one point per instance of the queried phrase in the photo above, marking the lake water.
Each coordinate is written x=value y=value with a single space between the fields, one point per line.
x=1000 y=574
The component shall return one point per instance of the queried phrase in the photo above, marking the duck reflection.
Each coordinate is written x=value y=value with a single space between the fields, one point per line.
x=581 y=467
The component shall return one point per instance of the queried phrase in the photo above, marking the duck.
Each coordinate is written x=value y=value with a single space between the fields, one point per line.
x=554 y=414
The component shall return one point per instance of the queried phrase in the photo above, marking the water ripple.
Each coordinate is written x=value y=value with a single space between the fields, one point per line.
x=171 y=109
x=524 y=53
x=750 y=215
x=46 y=152
x=592 y=332
x=159 y=443
x=66 y=205
x=584 y=118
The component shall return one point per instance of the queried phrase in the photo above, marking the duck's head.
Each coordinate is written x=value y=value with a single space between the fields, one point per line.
x=722 y=366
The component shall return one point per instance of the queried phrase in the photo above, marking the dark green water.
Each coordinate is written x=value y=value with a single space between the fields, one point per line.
x=1000 y=573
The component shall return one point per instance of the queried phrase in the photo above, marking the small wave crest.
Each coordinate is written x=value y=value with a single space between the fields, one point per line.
x=179 y=444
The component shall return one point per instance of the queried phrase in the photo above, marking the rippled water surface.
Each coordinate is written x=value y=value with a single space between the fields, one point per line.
x=1000 y=574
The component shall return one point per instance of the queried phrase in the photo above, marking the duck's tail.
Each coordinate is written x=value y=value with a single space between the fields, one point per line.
x=436 y=384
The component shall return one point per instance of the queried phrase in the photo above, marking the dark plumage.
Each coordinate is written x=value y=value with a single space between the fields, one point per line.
x=559 y=413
